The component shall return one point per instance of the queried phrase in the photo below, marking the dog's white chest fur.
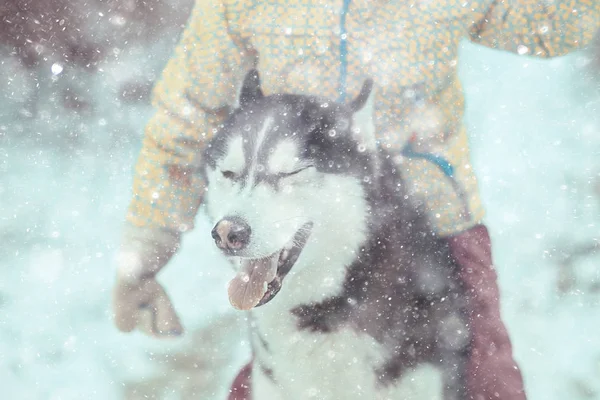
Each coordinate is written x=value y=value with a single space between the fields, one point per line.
x=309 y=365
x=328 y=366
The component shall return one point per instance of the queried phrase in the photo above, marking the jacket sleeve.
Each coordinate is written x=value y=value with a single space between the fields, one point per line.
x=541 y=28
x=196 y=88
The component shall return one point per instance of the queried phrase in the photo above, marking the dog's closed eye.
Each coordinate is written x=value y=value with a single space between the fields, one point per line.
x=286 y=174
x=228 y=174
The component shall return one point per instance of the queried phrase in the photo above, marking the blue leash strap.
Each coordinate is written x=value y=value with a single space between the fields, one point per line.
x=408 y=150
x=343 y=53
x=448 y=170
x=439 y=161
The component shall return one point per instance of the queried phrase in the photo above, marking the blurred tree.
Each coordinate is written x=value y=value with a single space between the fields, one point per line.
x=80 y=31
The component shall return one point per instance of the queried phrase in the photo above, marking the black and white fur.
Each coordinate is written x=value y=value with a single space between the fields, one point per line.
x=371 y=309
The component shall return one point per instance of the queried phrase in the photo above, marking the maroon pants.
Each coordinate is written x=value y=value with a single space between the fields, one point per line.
x=491 y=374
x=240 y=388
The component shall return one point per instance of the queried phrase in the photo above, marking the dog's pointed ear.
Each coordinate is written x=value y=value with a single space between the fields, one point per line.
x=363 y=97
x=362 y=115
x=251 y=90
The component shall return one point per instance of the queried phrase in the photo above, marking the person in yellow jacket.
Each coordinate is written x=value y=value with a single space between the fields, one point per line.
x=328 y=48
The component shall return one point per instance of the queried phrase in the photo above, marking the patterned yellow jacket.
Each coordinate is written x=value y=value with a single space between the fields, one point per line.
x=328 y=48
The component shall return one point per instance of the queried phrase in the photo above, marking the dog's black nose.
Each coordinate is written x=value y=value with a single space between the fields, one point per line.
x=231 y=233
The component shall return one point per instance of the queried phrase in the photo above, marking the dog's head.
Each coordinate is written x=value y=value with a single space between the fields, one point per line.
x=286 y=179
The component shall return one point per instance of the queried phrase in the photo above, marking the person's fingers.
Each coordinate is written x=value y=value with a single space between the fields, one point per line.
x=167 y=319
x=125 y=305
x=146 y=319
x=165 y=322
x=147 y=307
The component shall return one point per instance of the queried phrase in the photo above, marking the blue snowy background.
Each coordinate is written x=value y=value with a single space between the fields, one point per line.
x=71 y=122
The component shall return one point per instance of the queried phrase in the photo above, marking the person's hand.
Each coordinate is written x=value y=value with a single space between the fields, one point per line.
x=138 y=300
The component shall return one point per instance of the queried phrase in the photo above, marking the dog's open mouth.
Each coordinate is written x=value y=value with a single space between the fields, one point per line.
x=259 y=280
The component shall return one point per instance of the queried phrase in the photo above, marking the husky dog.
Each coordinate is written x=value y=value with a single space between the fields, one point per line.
x=350 y=294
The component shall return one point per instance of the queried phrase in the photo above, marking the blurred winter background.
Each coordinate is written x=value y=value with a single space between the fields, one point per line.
x=75 y=78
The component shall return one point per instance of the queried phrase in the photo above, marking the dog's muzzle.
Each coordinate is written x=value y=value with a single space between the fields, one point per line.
x=259 y=279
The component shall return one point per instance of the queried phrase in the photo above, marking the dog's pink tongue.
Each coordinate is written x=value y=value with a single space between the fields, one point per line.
x=250 y=284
